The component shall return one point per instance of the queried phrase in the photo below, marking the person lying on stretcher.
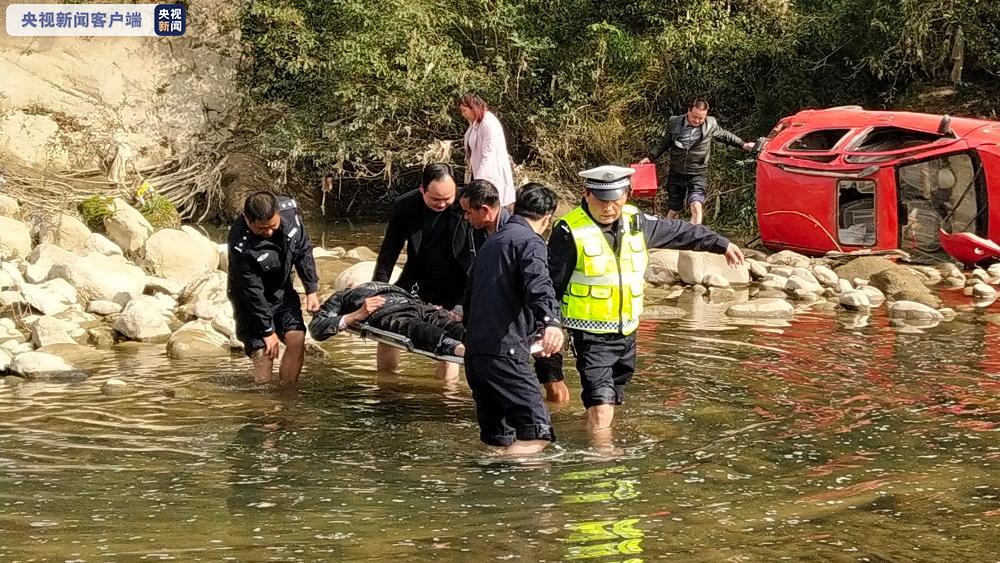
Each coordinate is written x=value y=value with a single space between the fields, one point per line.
x=392 y=309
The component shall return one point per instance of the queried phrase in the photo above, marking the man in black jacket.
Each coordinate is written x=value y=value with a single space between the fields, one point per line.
x=393 y=309
x=688 y=140
x=439 y=250
x=264 y=244
x=509 y=303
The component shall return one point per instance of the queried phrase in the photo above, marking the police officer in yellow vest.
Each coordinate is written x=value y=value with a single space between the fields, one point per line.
x=597 y=260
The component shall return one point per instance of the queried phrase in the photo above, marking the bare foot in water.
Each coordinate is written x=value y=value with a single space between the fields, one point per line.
x=525 y=447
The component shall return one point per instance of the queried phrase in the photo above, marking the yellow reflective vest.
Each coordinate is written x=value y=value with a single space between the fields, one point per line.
x=604 y=294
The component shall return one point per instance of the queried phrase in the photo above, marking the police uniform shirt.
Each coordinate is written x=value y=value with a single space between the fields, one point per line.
x=260 y=268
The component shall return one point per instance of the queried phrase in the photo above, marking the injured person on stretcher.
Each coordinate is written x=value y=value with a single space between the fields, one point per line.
x=393 y=316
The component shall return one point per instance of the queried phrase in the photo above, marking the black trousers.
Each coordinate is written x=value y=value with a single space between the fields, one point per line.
x=426 y=325
x=509 y=404
x=606 y=363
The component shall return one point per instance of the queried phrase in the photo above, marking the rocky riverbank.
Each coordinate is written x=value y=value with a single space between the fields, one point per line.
x=66 y=291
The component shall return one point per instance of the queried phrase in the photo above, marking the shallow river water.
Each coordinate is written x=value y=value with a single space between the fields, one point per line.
x=820 y=439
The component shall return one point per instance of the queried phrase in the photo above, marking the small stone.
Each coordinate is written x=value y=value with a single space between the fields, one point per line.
x=854 y=300
x=954 y=282
x=758 y=271
x=805 y=296
x=13 y=380
x=875 y=296
x=101 y=337
x=844 y=285
x=181 y=393
x=912 y=310
x=116 y=388
x=103 y=308
x=983 y=291
x=762 y=309
x=715 y=280
x=825 y=276
x=860 y=282
x=980 y=275
x=699 y=289
x=721 y=294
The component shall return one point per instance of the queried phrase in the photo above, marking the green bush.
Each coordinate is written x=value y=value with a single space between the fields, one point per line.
x=160 y=212
x=94 y=210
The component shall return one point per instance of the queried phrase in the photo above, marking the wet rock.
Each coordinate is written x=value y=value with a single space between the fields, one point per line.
x=143 y=320
x=692 y=267
x=699 y=289
x=659 y=275
x=864 y=267
x=72 y=353
x=180 y=255
x=223 y=322
x=657 y=294
x=771 y=294
x=235 y=343
x=788 y=258
x=126 y=227
x=949 y=270
x=196 y=339
x=5 y=358
x=854 y=300
x=875 y=296
x=844 y=285
x=897 y=279
x=182 y=393
x=948 y=313
x=830 y=292
x=48 y=330
x=994 y=271
x=925 y=298
x=51 y=297
x=983 y=291
x=804 y=296
x=9 y=207
x=954 y=282
x=721 y=294
x=796 y=283
x=13 y=380
x=912 y=310
x=96 y=276
x=16 y=239
x=980 y=275
x=824 y=306
x=361 y=254
x=101 y=245
x=210 y=286
x=163 y=285
x=825 y=276
x=662 y=312
x=856 y=320
x=758 y=271
x=65 y=231
x=103 y=308
x=116 y=388
x=762 y=309
x=777 y=284
x=102 y=337
x=206 y=310
x=783 y=271
x=715 y=280
x=930 y=274
x=40 y=365
x=360 y=273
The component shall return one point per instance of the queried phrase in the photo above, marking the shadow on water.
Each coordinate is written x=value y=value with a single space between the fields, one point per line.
x=821 y=438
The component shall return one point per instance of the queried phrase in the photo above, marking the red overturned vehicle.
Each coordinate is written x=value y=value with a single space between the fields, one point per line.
x=845 y=179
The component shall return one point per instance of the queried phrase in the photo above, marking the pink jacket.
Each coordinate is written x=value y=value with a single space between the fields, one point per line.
x=486 y=155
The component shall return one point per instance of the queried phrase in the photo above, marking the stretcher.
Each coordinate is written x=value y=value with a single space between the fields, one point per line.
x=368 y=332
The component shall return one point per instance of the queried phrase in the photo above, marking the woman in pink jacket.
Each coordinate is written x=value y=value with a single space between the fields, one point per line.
x=486 y=148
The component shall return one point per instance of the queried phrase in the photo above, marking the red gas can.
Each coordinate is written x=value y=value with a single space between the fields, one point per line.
x=644 y=180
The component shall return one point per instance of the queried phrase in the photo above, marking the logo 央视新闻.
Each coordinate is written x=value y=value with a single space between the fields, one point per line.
x=169 y=20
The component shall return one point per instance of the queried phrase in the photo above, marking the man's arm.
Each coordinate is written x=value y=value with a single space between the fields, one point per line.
x=328 y=321
x=248 y=290
x=663 y=144
x=720 y=134
x=305 y=263
x=562 y=258
x=392 y=245
x=681 y=235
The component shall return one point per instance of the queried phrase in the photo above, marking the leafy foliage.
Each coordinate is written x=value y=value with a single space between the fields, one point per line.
x=361 y=87
x=94 y=210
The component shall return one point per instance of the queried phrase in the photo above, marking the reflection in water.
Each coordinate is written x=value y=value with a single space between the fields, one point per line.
x=819 y=440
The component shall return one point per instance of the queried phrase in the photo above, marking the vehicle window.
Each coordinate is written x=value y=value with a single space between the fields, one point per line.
x=884 y=139
x=941 y=193
x=823 y=140
x=856 y=212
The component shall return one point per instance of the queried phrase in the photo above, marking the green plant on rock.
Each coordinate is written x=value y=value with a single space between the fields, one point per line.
x=94 y=210
x=160 y=212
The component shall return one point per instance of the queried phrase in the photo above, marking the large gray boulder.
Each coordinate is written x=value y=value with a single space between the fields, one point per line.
x=65 y=231
x=16 y=240
x=127 y=227
x=179 y=255
x=100 y=277
x=692 y=267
